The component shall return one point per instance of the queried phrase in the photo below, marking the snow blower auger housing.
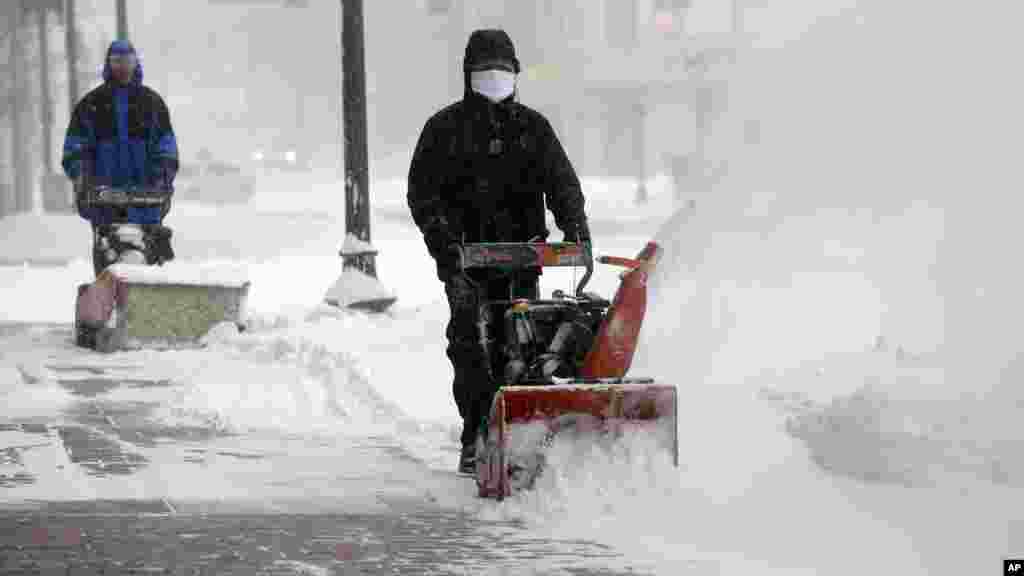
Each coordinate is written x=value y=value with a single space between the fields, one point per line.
x=132 y=304
x=560 y=364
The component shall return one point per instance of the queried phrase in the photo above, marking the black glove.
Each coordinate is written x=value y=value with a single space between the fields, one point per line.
x=74 y=168
x=78 y=185
x=445 y=249
x=451 y=258
x=165 y=208
x=579 y=233
x=164 y=173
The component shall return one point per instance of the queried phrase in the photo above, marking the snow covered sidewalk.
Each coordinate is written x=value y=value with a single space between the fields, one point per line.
x=247 y=420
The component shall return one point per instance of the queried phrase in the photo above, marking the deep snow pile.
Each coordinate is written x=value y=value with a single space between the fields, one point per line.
x=741 y=478
x=905 y=425
x=805 y=435
x=324 y=375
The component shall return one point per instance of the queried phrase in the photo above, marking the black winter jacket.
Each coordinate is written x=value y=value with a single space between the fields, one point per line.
x=482 y=172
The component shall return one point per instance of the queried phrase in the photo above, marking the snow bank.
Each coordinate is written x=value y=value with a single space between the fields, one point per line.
x=332 y=373
x=904 y=425
x=283 y=384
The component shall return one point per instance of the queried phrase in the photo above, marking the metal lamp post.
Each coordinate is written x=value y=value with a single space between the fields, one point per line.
x=358 y=286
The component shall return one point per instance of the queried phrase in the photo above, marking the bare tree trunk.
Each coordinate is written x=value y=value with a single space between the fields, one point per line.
x=22 y=185
x=46 y=104
x=122 y=19
x=71 y=46
x=7 y=163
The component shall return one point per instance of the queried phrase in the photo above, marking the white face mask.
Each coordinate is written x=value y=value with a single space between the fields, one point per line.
x=495 y=85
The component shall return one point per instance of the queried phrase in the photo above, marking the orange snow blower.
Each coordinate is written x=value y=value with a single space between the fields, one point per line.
x=562 y=364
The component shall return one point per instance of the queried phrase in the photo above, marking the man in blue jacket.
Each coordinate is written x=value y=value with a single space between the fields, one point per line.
x=121 y=134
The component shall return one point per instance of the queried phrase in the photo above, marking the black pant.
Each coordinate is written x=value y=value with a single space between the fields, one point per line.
x=156 y=239
x=100 y=257
x=474 y=385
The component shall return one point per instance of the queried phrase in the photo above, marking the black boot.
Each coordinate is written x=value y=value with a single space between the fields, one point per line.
x=158 y=244
x=467 y=459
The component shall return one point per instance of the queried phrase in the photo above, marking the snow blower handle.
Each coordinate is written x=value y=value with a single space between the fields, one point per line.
x=527 y=255
x=134 y=197
x=629 y=263
x=93 y=192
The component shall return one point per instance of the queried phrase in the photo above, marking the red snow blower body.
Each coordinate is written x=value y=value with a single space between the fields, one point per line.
x=562 y=364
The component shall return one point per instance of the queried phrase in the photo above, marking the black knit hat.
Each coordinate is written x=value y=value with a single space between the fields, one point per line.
x=487 y=48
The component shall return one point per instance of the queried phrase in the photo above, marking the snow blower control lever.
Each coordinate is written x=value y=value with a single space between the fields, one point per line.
x=109 y=196
x=525 y=255
x=91 y=191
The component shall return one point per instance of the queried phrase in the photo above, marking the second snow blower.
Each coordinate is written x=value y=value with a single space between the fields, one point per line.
x=132 y=304
x=561 y=364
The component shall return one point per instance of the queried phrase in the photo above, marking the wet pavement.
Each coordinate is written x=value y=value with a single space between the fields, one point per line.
x=385 y=513
x=143 y=541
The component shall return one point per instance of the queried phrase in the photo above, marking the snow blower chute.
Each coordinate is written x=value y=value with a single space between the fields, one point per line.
x=138 y=299
x=561 y=364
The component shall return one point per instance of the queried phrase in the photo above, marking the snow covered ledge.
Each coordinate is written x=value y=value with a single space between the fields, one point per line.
x=183 y=274
x=355 y=288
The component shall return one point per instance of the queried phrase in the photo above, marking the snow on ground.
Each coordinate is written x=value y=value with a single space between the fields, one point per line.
x=24 y=394
x=813 y=421
x=276 y=401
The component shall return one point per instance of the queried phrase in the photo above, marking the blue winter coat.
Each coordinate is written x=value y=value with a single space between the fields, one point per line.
x=124 y=135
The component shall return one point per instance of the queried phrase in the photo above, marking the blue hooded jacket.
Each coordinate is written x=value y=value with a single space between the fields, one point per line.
x=123 y=136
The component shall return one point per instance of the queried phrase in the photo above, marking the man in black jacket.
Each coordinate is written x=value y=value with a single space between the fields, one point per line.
x=483 y=169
